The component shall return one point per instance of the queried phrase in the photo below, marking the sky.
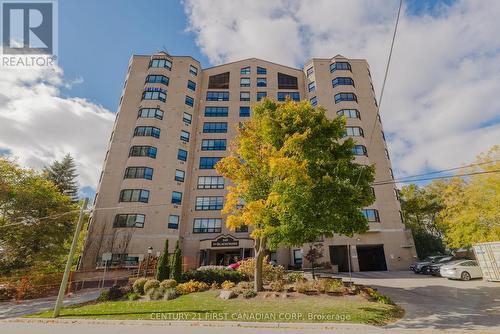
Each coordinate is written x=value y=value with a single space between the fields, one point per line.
x=441 y=105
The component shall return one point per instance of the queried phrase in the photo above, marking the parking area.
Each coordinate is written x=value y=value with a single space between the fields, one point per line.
x=436 y=302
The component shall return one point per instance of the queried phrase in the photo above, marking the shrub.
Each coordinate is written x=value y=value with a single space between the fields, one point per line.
x=335 y=286
x=190 y=287
x=7 y=292
x=155 y=293
x=378 y=297
x=304 y=286
x=211 y=267
x=176 y=263
x=104 y=296
x=151 y=284
x=168 y=284
x=115 y=292
x=163 y=267
x=294 y=277
x=213 y=275
x=170 y=294
x=139 y=285
x=249 y=294
x=277 y=286
x=214 y=286
x=227 y=285
x=132 y=296
x=269 y=272
x=245 y=285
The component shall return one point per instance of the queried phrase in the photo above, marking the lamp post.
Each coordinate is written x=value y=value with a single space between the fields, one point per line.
x=150 y=251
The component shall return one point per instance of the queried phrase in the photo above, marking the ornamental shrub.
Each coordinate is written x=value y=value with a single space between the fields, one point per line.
x=227 y=285
x=151 y=284
x=190 y=287
x=168 y=284
x=269 y=272
x=163 y=267
x=139 y=285
x=214 y=275
x=155 y=293
x=176 y=263
x=249 y=294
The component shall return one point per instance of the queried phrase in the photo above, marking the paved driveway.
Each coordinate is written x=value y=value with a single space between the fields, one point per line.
x=436 y=302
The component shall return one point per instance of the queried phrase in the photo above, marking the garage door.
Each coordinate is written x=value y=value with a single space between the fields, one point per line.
x=371 y=258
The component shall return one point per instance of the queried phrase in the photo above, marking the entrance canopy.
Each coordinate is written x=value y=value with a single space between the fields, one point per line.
x=226 y=241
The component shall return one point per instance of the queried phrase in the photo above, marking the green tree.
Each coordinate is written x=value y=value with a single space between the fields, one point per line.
x=296 y=176
x=27 y=237
x=176 y=263
x=63 y=175
x=163 y=268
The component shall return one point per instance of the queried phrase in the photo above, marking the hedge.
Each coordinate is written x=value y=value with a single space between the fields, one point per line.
x=214 y=275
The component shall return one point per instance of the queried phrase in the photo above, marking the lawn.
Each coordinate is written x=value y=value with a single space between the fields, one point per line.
x=203 y=306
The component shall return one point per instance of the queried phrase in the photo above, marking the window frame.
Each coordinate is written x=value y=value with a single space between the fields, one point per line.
x=211 y=225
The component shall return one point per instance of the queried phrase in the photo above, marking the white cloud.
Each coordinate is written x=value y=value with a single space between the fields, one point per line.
x=444 y=80
x=37 y=125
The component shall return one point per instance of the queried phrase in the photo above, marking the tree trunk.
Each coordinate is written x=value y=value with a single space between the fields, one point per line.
x=260 y=247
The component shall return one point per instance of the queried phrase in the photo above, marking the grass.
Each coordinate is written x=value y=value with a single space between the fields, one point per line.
x=203 y=306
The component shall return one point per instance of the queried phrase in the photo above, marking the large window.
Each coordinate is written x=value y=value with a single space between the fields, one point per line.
x=261 y=95
x=287 y=81
x=208 y=162
x=147 y=131
x=217 y=96
x=314 y=101
x=157 y=79
x=311 y=87
x=244 y=82
x=355 y=131
x=297 y=257
x=342 y=81
x=182 y=155
x=293 y=95
x=191 y=85
x=216 y=111
x=245 y=70
x=371 y=215
x=152 y=93
x=193 y=70
x=310 y=71
x=139 y=173
x=163 y=63
x=187 y=118
x=261 y=70
x=184 y=136
x=340 y=65
x=143 y=151
x=179 y=175
x=173 y=222
x=176 y=197
x=210 y=182
x=150 y=113
x=207 y=225
x=349 y=113
x=359 y=150
x=189 y=101
x=129 y=220
x=244 y=96
x=209 y=203
x=345 y=97
x=219 y=81
x=215 y=127
x=261 y=82
x=134 y=195
x=244 y=111
x=213 y=145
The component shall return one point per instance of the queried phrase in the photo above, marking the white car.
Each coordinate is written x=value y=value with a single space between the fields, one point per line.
x=462 y=269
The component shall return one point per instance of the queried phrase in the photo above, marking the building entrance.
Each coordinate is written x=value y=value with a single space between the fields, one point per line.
x=371 y=258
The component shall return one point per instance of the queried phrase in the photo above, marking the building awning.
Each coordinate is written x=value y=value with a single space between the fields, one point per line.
x=226 y=241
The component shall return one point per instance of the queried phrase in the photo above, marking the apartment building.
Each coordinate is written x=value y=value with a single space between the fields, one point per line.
x=175 y=121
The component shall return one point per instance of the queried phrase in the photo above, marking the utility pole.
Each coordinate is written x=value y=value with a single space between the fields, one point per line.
x=64 y=282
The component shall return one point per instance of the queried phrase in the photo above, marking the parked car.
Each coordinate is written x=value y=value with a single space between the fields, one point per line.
x=416 y=267
x=462 y=269
x=434 y=268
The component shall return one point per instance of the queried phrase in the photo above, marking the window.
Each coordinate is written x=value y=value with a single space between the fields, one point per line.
x=297 y=257
x=147 y=131
x=371 y=215
x=173 y=222
x=245 y=82
x=244 y=111
x=261 y=95
x=179 y=175
x=157 y=79
x=213 y=145
x=244 y=96
x=261 y=82
x=387 y=154
x=189 y=101
x=134 y=195
x=355 y=131
x=245 y=70
x=219 y=81
x=139 y=173
x=310 y=71
x=143 y=151
x=187 y=118
x=207 y=225
x=293 y=95
x=208 y=162
x=184 y=136
x=163 y=63
x=342 y=81
x=359 y=150
x=215 y=127
x=150 y=113
x=191 y=85
x=314 y=101
x=349 y=113
x=182 y=155
x=216 y=111
x=217 y=96
x=152 y=93
x=193 y=70
x=261 y=70
x=205 y=203
x=311 y=87
x=340 y=65
x=287 y=81
x=345 y=97
x=210 y=182
x=129 y=220
x=176 y=197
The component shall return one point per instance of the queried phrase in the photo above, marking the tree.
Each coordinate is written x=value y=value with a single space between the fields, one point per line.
x=176 y=263
x=314 y=253
x=63 y=175
x=296 y=177
x=163 y=268
x=36 y=220
x=471 y=205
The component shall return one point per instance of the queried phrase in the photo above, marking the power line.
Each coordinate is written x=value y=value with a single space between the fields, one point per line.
x=436 y=178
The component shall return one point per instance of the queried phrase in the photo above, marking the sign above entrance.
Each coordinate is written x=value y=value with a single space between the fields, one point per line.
x=225 y=241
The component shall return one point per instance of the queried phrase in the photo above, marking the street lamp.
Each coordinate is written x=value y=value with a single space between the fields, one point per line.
x=150 y=251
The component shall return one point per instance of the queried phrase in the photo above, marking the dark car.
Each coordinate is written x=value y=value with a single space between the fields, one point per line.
x=435 y=268
x=417 y=267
